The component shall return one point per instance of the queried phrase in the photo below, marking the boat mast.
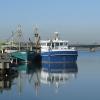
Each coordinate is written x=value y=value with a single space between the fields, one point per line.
x=12 y=40
x=19 y=35
x=37 y=40
x=56 y=35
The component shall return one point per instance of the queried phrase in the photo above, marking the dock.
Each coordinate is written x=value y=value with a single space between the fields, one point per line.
x=4 y=62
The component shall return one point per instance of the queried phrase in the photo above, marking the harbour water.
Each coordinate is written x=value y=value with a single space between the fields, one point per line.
x=81 y=82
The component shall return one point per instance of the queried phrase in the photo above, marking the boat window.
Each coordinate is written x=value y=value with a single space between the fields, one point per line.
x=56 y=44
x=43 y=44
x=61 y=44
x=65 y=43
x=48 y=44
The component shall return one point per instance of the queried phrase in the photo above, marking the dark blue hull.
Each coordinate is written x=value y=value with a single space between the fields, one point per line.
x=59 y=56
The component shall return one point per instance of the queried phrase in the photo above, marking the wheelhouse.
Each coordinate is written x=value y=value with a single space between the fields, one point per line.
x=54 y=44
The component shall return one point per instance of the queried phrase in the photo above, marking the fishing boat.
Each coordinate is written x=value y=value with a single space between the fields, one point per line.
x=17 y=48
x=24 y=56
x=57 y=50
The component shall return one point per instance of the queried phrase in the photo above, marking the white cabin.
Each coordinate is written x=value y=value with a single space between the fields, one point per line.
x=55 y=44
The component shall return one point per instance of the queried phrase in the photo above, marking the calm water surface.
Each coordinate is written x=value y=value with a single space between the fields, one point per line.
x=79 y=81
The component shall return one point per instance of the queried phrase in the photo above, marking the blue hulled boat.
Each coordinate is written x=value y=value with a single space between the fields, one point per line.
x=57 y=50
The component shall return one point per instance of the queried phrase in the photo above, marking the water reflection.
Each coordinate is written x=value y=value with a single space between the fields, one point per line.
x=58 y=73
x=6 y=78
x=38 y=74
x=55 y=74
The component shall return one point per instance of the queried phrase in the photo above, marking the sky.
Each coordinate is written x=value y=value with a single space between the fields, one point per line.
x=76 y=20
